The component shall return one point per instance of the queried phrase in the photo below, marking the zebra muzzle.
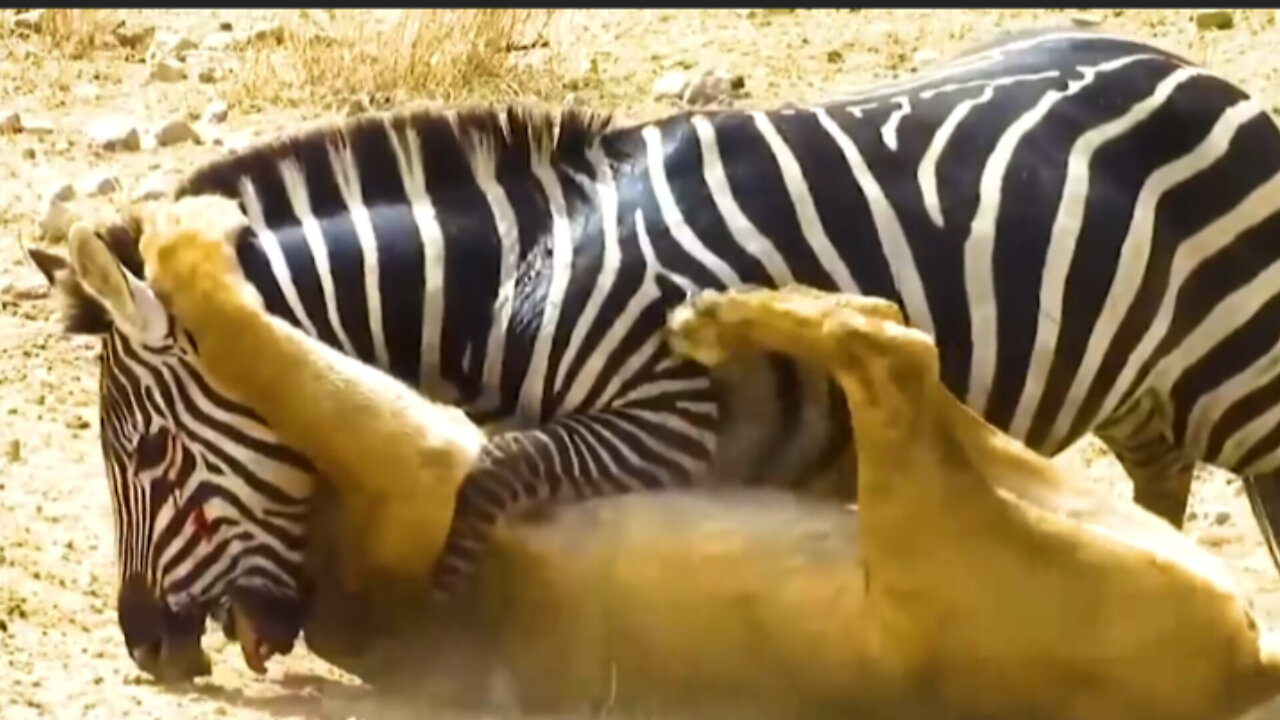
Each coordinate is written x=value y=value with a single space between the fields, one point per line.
x=264 y=625
x=255 y=650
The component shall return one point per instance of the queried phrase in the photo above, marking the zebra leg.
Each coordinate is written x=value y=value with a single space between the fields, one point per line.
x=575 y=457
x=1161 y=474
x=1264 y=500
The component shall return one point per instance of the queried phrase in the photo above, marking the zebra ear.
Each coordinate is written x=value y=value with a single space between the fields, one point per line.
x=132 y=306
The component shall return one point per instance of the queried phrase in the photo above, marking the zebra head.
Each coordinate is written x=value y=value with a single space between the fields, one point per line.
x=209 y=507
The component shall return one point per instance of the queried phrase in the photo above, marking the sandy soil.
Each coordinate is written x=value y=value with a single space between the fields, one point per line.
x=60 y=651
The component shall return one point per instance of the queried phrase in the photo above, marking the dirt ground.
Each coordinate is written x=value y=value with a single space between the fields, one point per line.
x=61 y=654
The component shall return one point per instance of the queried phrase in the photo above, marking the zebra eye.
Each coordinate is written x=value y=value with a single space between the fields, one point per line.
x=152 y=449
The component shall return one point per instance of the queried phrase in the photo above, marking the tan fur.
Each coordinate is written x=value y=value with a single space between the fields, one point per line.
x=987 y=567
x=975 y=582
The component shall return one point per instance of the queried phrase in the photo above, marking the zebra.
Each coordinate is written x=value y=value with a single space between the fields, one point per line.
x=1080 y=220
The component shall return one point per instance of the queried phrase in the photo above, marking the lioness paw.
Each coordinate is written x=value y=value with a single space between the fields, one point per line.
x=693 y=329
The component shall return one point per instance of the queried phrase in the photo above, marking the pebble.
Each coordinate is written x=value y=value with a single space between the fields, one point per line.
x=714 y=86
x=267 y=33
x=1221 y=517
x=169 y=45
x=357 y=106
x=168 y=70
x=151 y=187
x=215 y=112
x=922 y=58
x=35 y=126
x=114 y=134
x=670 y=85
x=175 y=132
x=218 y=41
x=1086 y=20
x=208 y=74
x=99 y=183
x=1215 y=19
x=13 y=450
x=28 y=153
x=226 y=26
x=56 y=220
x=30 y=21
x=10 y=122
x=134 y=37
x=63 y=192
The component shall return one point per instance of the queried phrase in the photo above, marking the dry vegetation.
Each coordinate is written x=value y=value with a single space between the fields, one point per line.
x=60 y=652
x=388 y=57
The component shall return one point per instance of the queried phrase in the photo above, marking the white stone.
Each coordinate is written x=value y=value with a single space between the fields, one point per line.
x=670 y=85
x=113 y=134
x=98 y=183
x=175 y=132
x=215 y=112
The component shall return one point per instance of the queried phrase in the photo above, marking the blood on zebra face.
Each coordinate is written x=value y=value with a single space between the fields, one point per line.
x=209 y=507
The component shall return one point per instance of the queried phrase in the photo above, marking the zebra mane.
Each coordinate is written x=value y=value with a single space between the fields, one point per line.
x=487 y=135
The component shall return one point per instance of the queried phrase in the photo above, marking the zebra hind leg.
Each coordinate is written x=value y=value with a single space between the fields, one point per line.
x=576 y=457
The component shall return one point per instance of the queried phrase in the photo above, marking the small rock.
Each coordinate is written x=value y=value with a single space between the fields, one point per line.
x=214 y=113
x=134 y=37
x=1215 y=20
x=10 y=122
x=225 y=26
x=835 y=57
x=267 y=33
x=64 y=192
x=151 y=187
x=756 y=13
x=34 y=126
x=114 y=134
x=86 y=91
x=30 y=21
x=13 y=450
x=169 y=45
x=1086 y=20
x=56 y=221
x=1221 y=517
x=175 y=132
x=357 y=106
x=208 y=74
x=670 y=85
x=99 y=183
x=78 y=422
x=168 y=70
x=28 y=153
x=922 y=58
x=714 y=86
x=222 y=40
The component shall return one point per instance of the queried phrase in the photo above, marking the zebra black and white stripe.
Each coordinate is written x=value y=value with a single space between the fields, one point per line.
x=1083 y=222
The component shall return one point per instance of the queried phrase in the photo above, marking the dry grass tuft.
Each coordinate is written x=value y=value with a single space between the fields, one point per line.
x=388 y=57
x=69 y=32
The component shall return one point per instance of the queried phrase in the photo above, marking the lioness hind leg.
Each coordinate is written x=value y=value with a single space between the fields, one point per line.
x=862 y=340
